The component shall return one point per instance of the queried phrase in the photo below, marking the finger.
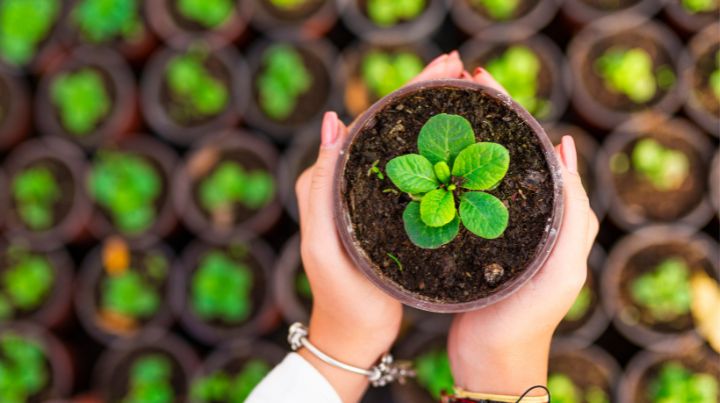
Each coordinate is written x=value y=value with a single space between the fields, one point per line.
x=443 y=67
x=481 y=76
x=302 y=193
x=466 y=76
x=593 y=228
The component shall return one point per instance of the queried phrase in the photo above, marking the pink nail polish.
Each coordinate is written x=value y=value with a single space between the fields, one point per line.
x=329 y=131
x=569 y=154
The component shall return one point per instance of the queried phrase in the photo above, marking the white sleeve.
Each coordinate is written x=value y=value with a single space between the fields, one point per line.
x=294 y=380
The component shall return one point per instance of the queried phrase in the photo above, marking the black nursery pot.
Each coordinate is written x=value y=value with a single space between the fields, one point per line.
x=355 y=16
x=250 y=152
x=224 y=64
x=312 y=19
x=640 y=253
x=602 y=107
x=529 y=17
x=581 y=12
x=88 y=299
x=263 y=317
x=178 y=31
x=14 y=104
x=553 y=81
x=634 y=200
x=113 y=368
x=370 y=222
x=300 y=155
x=288 y=269
x=687 y=21
x=321 y=60
x=587 y=367
x=66 y=163
x=118 y=83
x=702 y=105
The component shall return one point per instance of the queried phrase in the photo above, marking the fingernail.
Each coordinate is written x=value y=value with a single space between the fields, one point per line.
x=466 y=75
x=438 y=59
x=569 y=154
x=455 y=53
x=329 y=132
x=478 y=71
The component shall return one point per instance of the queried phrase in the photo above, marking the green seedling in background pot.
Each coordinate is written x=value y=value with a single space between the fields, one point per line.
x=100 y=21
x=384 y=72
x=499 y=10
x=127 y=185
x=302 y=286
x=451 y=164
x=130 y=295
x=23 y=367
x=283 y=80
x=230 y=183
x=193 y=88
x=714 y=79
x=82 y=100
x=699 y=6
x=221 y=288
x=26 y=282
x=433 y=372
x=517 y=69
x=630 y=72
x=675 y=383
x=150 y=381
x=665 y=291
x=564 y=390
x=289 y=5
x=666 y=169
x=35 y=191
x=386 y=13
x=24 y=24
x=223 y=387
x=208 y=13
x=581 y=305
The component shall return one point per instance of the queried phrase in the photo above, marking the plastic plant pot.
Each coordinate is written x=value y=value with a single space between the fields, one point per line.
x=172 y=104
x=93 y=23
x=124 y=291
x=360 y=194
x=645 y=369
x=14 y=104
x=511 y=23
x=217 y=209
x=703 y=102
x=715 y=183
x=88 y=98
x=690 y=17
x=502 y=58
x=399 y=29
x=150 y=161
x=641 y=193
x=589 y=152
x=583 y=372
x=581 y=12
x=300 y=155
x=225 y=291
x=586 y=320
x=305 y=19
x=49 y=206
x=35 y=285
x=56 y=365
x=285 y=99
x=622 y=66
x=181 y=23
x=291 y=287
x=428 y=353
x=644 y=256
x=171 y=359
x=231 y=371
x=374 y=71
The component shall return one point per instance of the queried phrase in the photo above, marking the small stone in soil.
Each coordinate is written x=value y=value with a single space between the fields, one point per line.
x=493 y=273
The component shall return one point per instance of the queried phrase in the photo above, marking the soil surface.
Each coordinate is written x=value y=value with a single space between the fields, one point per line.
x=583 y=372
x=610 y=5
x=523 y=8
x=704 y=67
x=299 y=13
x=699 y=363
x=119 y=382
x=454 y=272
x=63 y=179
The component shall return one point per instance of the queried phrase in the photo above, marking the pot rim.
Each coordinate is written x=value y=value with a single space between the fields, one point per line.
x=313 y=25
x=694 y=109
x=524 y=27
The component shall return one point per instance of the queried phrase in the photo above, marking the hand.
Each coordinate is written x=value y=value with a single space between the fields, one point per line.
x=504 y=348
x=352 y=320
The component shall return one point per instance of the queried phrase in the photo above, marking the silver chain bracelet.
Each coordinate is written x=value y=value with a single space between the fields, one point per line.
x=387 y=371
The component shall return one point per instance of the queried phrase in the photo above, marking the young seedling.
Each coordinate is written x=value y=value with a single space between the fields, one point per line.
x=581 y=305
x=24 y=24
x=150 y=380
x=193 y=88
x=517 y=69
x=564 y=390
x=127 y=185
x=223 y=387
x=289 y=5
x=35 y=192
x=100 y=21
x=23 y=367
x=388 y=13
x=665 y=168
x=283 y=80
x=714 y=79
x=130 y=295
x=451 y=165
x=433 y=372
x=630 y=72
x=664 y=291
x=27 y=280
x=230 y=183
x=700 y=6
x=384 y=72
x=221 y=289
x=82 y=100
x=675 y=383
x=208 y=13
x=375 y=170
x=499 y=10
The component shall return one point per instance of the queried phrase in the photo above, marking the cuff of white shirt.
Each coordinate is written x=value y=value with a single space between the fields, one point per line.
x=294 y=380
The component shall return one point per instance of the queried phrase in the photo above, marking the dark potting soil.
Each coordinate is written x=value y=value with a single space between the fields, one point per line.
x=641 y=196
x=523 y=8
x=610 y=5
x=63 y=179
x=705 y=65
x=583 y=372
x=697 y=363
x=646 y=260
x=454 y=272
x=629 y=39
x=309 y=103
x=110 y=89
x=305 y=10
x=118 y=382
x=567 y=326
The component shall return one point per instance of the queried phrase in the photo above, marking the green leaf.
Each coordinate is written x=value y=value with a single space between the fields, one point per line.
x=482 y=165
x=442 y=171
x=437 y=208
x=443 y=137
x=412 y=173
x=424 y=236
x=483 y=214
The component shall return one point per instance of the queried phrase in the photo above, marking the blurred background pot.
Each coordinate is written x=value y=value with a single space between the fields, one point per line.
x=703 y=103
x=300 y=155
x=486 y=20
x=581 y=12
x=692 y=16
x=292 y=289
x=14 y=108
x=396 y=29
x=304 y=19
x=428 y=353
x=582 y=373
